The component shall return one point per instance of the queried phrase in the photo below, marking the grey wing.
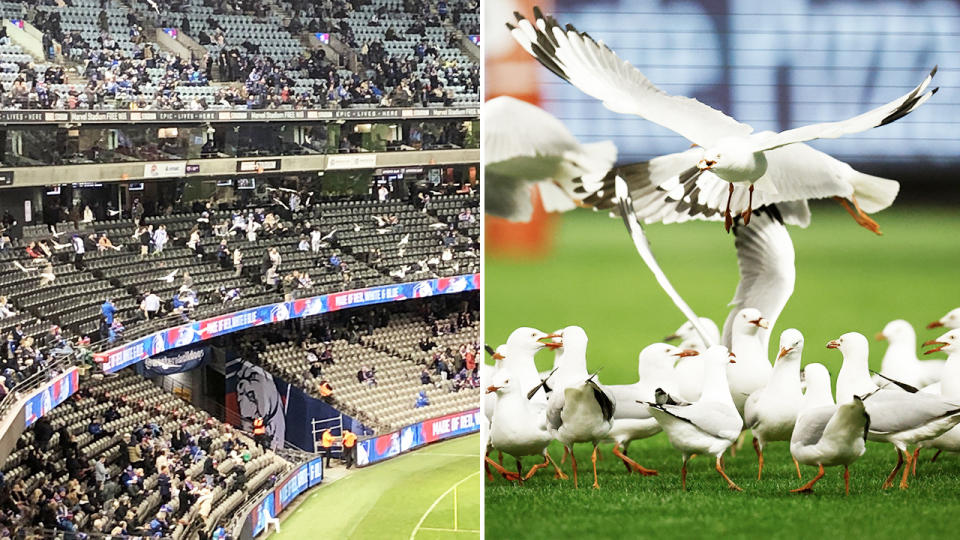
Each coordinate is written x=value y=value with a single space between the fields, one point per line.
x=892 y=411
x=507 y=197
x=554 y=408
x=750 y=410
x=767 y=274
x=721 y=422
x=811 y=425
x=627 y=407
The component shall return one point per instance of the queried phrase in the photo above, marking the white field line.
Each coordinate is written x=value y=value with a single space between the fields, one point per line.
x=437 y=501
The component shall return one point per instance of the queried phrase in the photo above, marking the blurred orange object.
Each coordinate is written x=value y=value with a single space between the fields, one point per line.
x=509 y=70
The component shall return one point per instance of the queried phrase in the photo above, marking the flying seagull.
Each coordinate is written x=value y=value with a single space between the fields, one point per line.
x=169 y=277
x=775 y=167
x=525 y=146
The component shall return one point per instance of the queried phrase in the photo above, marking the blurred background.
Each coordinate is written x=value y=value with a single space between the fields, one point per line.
x=775 y=66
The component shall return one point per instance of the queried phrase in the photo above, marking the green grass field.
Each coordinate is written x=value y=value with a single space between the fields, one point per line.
x=428 y=494
x=847 y=279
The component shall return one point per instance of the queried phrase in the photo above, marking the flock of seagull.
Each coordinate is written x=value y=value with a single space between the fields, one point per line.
x=705 y=392
x=705 y=396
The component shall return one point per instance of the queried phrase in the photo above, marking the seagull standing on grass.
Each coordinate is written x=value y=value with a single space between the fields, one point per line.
x=898 y=417
x=826 y=435
x=520 y=428
x=708 y=426
x=949 y=389
x=752 y=369
x=773 y=167
x=771 y=412
x=580 y=409
x=633 y=421
x=900 y=361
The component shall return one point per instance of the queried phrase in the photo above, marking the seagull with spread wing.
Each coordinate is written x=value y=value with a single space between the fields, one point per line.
x=774 y=167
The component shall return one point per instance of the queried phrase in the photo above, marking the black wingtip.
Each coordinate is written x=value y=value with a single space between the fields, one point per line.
x=934 y=70
x=934 y=91
x=489 y=349
x=511 y=27
x=519 y=16
x=537 y=12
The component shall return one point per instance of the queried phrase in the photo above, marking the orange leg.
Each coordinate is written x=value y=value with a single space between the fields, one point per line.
x=511 y=476
x=859 y=215
x=631 y=464
x=559 y=473
x=906 y=470
x=500 y=458
x=808 y=487
x=935 y=456
x=486 y=467
x=727 y=218
x=725 y=477
x=916 y=454
x=846 y=479
x=573 y=459
x=519 y=470
x=893 y=474
x=538 y=466
x=759 y=450
x=749 y=211
x=593 y=458
x=797 y=465
x=563 y=459
x=683 y=474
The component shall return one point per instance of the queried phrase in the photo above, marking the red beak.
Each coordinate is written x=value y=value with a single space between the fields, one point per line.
x=880 y=336
x=934 y=342
x=935 y=324
x=498 y=356
x=833 y=344
x=784 y=351
x=491 y=389
x=686 y=352
x=552 y=344
x=761 y=322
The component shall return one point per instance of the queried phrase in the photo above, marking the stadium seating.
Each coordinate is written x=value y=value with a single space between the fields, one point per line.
x=142 y=406
x=393 y=351
x=73 y=300
x=112 y=60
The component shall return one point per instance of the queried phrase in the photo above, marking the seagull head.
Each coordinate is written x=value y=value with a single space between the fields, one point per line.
x=527 y=341
x=500 y=384
x=734 y=160
x=749 y=321
x=660 y=358
x=897 y=331
x=791 y=344
x=853 y=346
x=950 y=320
x=948 y=343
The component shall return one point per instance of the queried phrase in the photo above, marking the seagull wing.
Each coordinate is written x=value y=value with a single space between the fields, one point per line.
x=893 y=410
x=811 y=425
x=597 y=71
x=646 y=253
x=524 y=144
x=718 y=421
x=880 y=116
x=767 y=273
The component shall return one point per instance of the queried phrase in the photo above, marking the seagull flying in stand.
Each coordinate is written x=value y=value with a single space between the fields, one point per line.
x=169 y=277
x=22 y=268
x=404 y=240
x=110 y=213
x=400 y=272
x=774 y=167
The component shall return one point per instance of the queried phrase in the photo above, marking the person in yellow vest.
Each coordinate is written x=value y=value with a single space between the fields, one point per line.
x=259 y=432
x=326 y=443
x=326 y=391
x=349 y=447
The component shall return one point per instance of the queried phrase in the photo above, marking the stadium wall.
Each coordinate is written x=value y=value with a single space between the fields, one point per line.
x=198 y=331
x=25 y=412
x=382 y=447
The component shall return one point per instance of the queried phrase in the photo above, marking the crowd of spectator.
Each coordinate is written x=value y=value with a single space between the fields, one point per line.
x=130 y=71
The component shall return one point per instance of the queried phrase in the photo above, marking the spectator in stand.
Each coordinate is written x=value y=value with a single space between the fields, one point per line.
x=425 y=377
x=6 y=309
x=108 y=310
x=422 y=400
x=160 y=239
x=150 y=305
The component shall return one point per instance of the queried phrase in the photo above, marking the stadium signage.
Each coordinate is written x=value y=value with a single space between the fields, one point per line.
x=195 y=332
x=301 y=479
x=249 y=166
x=167 y=116
x=352 y=161
x=164 y=169
x=386 y=446
x=176 y=362
x=54 y=393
